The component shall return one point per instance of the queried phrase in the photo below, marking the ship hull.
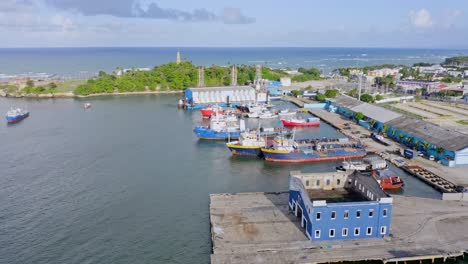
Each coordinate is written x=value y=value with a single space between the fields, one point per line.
x=299 y=124
x=208 y=134
x=250 y=151
x=301 y=157
x=16 y=119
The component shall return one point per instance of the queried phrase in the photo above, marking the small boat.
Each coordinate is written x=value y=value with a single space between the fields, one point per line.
x=253 y=114
x=267 y=115
x=311 y=121
x=86 y=105
x=286 y=112
x=211 y=110
x=388 y=180
x=15 y=115
x=368 y=164
x=350 y=165
x=249 y=144
x=378 y=138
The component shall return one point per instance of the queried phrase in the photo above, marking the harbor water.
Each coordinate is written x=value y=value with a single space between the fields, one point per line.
x=126 y=181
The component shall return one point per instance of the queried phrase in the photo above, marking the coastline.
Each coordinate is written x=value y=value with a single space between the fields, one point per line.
x=71 y=95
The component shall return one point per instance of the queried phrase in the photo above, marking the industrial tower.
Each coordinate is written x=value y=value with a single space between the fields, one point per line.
x=201 y=76
x=233 y=75
x=258 y=74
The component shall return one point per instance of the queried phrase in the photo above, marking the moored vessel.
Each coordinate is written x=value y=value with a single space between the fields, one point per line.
x=211 y=110
x=388 y=180
x=294 y=122
x=292 y=151
x=86 y=105
x=15 y=115
x=249 y=144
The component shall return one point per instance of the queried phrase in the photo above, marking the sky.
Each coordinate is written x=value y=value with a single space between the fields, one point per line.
x=240 y=23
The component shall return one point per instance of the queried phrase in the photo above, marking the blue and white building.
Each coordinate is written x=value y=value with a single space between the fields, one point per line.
x=339 y=205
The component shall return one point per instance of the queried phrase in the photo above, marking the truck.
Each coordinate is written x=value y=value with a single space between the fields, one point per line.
x=409 y=153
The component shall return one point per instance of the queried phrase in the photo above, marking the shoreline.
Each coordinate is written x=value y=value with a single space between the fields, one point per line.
x=70 y=95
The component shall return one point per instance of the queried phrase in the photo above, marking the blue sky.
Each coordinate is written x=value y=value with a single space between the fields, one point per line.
x=303 y=23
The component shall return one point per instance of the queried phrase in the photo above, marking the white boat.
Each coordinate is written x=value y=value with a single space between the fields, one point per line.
x=86 y=105
x=368 y=164
x=267 y=115
x=253 y=114
x=286 y=112
x=350 y=165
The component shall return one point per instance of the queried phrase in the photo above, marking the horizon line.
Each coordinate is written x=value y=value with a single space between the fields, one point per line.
x=238 y=47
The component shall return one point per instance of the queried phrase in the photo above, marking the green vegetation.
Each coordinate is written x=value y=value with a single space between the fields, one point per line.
x=70 y=85
x=359 y=116
x=51 y=88
x=8 y=88
x=422 y=64
x=29 y=83
x=321 y=98
x=367 y=98
x=366 y=69
x=451 y=79
x=307 y=75
x=296 y=92
x=458 y=60
x=332 y=93
x=353 y=93
x=463 y=122
x=379 y=97
x=173 y=76
x=401 y=111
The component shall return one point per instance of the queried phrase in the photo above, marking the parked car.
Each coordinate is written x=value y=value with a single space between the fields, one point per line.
x=431 y=157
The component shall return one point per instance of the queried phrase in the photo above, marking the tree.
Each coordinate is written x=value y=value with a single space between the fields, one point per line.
x=409 y=140
x=379 y=97
x=401 y=137
x=359 y=116
x=332 y=93
x=52 y=85
x=439 y=150
x=29 y=83
x=385 y=128
x=296 y=92
x=367 y=98
x=393 y=132
x=426 y=146
x=416 y=145
x=320 y=98
x=372 y=123
x=353 y=93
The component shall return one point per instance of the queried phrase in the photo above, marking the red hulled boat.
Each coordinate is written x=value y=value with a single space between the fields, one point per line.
x=309 y=122
x=211 y=110
x=388 y=180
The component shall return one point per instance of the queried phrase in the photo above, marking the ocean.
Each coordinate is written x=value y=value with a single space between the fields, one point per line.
x=80 y=62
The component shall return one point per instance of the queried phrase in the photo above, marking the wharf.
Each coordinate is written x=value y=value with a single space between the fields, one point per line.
x=439 y=183
x=259 y=228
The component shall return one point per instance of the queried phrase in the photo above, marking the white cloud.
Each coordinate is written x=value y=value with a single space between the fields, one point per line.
x=421 y=18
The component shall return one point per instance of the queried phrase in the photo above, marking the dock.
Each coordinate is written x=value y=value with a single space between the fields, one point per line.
x=259 y=228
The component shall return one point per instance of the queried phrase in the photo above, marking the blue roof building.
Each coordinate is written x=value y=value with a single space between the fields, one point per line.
x=339 y=205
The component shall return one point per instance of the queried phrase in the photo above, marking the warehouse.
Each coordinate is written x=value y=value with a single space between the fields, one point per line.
x=220 y=95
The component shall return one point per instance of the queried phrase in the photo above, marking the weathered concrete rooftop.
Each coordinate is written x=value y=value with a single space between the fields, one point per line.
x=258 y=228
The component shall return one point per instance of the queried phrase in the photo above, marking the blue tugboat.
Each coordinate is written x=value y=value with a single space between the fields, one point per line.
x=15 y=115
x=220 y=128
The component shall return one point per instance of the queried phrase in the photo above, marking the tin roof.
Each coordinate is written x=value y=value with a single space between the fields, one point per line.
x=220 y=88
x=443 y=137
x=375 y=112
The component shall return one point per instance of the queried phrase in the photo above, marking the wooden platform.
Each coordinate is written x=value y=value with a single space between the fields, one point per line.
x=258 y=228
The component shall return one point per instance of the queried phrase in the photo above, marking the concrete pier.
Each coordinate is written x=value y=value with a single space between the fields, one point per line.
x=259 y=228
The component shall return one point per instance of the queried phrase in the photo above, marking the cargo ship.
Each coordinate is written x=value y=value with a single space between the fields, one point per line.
x=15 y=115
x=292 y=151
x=249 y=144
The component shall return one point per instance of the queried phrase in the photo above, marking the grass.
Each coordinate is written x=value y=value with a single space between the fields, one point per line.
x=401 y=111
x=8 y=88
x=69 y=86
x=462 y=122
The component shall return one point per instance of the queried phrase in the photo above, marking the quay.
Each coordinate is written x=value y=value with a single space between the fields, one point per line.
x=260 y=228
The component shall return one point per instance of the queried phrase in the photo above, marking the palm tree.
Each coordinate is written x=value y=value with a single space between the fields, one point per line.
x=439 y=150
x=409 y=140
x=416 y=145
x=385 y=128
x=372 y=123
x=401 y=136
x=393 y=132
x=426 y=145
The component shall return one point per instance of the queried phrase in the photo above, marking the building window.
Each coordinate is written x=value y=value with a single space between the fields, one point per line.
x=328 y=182
x=307 y=183
x=371 y=212
x=338 y=181
x=317 y=233
x=358 y=214
x=383 y=230
x=317 y=216
x=344 y=232
x=346 y=214
x=333 y=215
x=318 y=183
x=384 y=212
x=369 y=231
x=332 y=232
x=357 y=231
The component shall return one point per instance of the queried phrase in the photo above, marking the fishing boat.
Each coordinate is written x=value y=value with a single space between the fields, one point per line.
x=294 y=122
x=220 y=128
x=86 y=105
x=378 y=138
x=366 y=165
x=211 y=110
x=388 y=180
x=249 y=144
x=15 y=115
x=292 y=151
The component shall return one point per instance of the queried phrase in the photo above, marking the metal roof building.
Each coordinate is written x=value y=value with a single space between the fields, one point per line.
x=220 y=94
x=375 y=112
